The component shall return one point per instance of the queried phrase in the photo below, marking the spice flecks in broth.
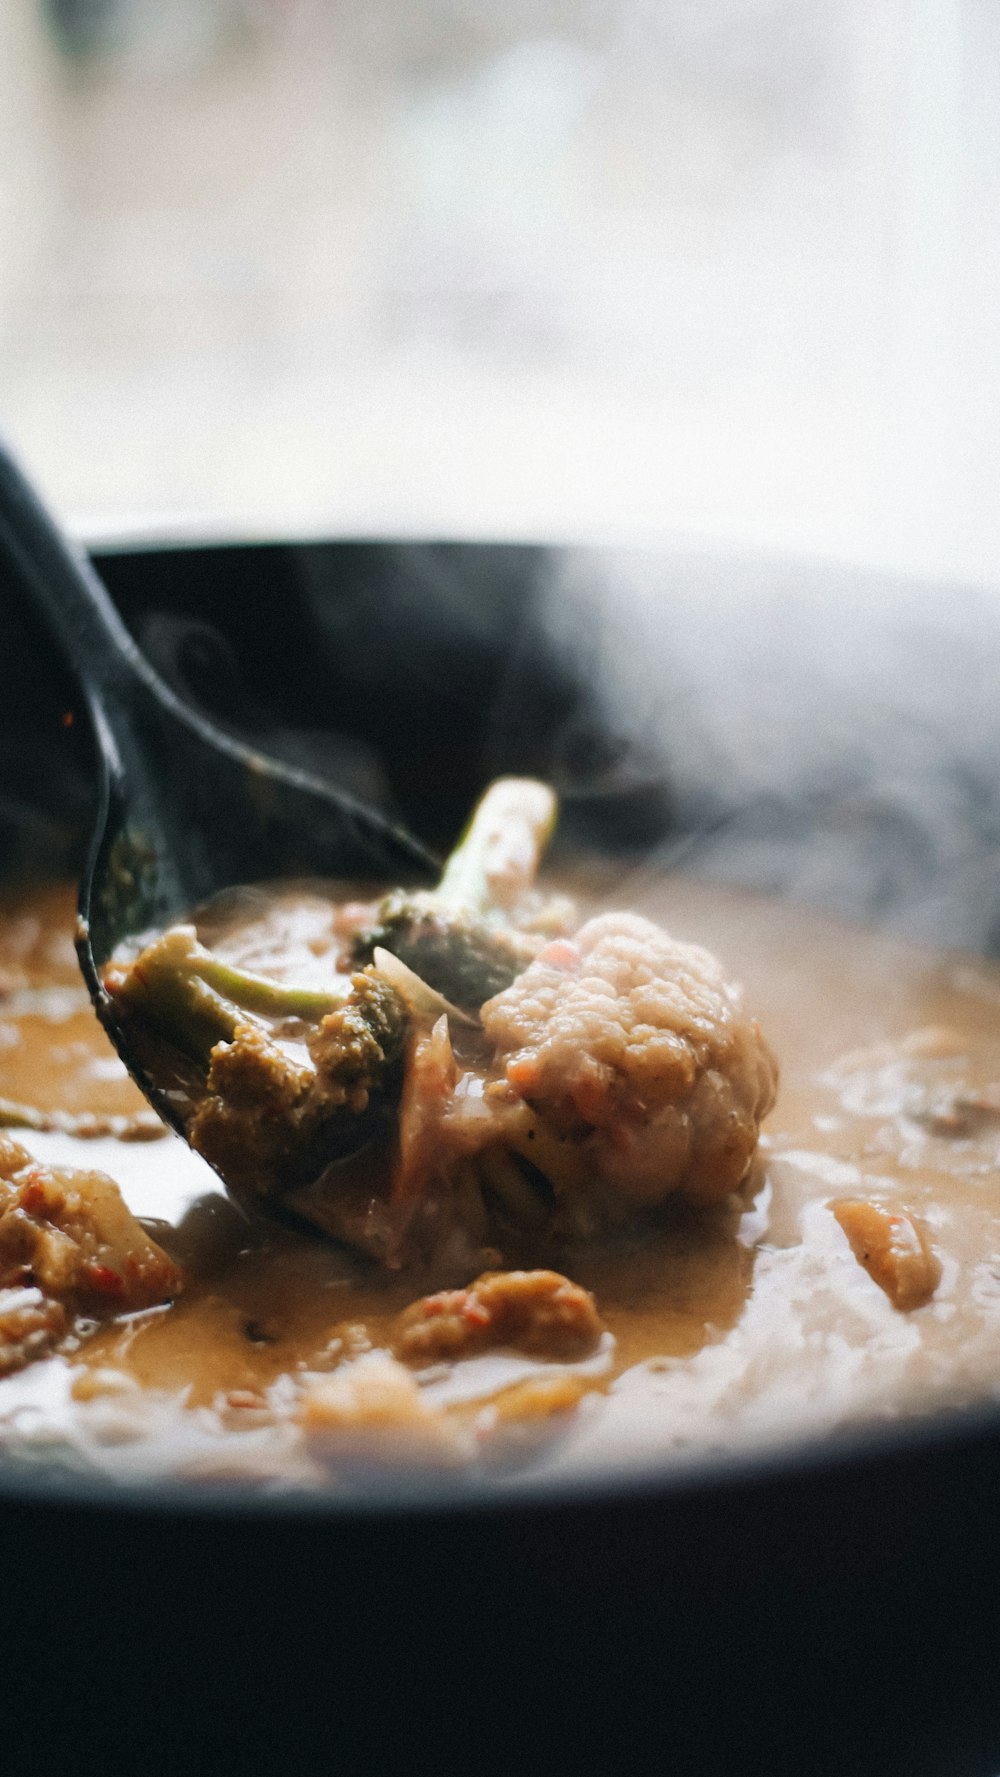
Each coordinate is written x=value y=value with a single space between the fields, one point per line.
x=752 y=1321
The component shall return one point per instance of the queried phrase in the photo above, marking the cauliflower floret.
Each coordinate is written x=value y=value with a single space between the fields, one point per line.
x=635 y=1050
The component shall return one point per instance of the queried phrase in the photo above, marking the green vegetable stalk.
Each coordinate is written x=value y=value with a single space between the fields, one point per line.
x=197 y=1000
x=459 y=938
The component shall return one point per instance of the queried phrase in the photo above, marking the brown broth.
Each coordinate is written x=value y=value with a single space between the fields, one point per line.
x=752 y=1322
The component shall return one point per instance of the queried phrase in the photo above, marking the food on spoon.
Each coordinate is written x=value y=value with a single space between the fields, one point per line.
x=68 y=1246
x=510 y=1086
x=268 y=1119
x=472 y=935
x=269 y=1110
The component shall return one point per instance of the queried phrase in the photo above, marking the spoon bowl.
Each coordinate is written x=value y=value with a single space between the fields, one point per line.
x=183 y=810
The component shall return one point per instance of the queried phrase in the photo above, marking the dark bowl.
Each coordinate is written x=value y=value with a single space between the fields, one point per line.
x=834 y=1606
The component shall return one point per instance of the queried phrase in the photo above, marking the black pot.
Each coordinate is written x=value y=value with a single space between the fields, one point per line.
x=828 y=1608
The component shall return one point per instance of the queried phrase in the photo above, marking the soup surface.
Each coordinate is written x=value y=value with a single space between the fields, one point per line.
x=763 y=1318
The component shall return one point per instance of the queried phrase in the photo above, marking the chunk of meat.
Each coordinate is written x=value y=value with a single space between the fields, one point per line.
x=635 y=1050
x=30 y=1325
x=351 y=1414
x=535 y=1311
x=69 y=1236
x=892 y=1245
x=374 y=1391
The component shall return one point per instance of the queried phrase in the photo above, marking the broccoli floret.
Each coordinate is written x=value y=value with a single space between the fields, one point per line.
x=455 y=951
x=268 y=1121
x=358 y=1043
x=196 y=1000
x=256 y=1112
x=289 y=1077
x=461 y=937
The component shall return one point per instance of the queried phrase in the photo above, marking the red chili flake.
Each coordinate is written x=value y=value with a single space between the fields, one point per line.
x=523 y=1074
x=67 y=718
x=106 y=1281
x=561 y=954
x=474 y=1314
x=445 y=1302
x=33 y=1197
x=246 y=1399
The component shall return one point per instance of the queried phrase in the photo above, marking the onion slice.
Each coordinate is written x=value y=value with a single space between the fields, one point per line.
x=425 y=1001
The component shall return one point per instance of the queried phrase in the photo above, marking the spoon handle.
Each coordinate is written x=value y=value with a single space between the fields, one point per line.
x=64 y=591
x=184 y=808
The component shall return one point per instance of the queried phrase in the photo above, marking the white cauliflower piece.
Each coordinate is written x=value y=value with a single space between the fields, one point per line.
x=635 y=1050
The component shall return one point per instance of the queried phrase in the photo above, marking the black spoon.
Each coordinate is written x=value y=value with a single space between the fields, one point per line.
x=183 y=810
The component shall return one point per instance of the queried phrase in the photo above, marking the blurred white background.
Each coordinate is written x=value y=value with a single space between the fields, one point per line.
x=560 y=268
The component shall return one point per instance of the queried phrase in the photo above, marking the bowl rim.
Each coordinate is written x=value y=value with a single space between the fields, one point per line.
x=401 y=1492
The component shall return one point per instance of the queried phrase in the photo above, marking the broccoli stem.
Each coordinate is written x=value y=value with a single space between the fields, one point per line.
x=14 y=1115
x=462 y=937
x=261 y=993
x=160 y=988
x=197 y=999
x=497 y=857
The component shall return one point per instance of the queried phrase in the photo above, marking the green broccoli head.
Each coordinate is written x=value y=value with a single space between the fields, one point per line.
x=357 y=1045
x=267 y=1121
x=456 y=951
x=462 y=938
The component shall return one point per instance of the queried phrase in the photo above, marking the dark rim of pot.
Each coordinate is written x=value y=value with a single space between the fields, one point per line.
x=400 y=1491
